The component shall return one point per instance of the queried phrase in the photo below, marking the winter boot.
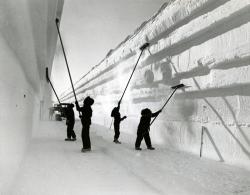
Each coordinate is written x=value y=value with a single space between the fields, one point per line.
x=86 y=149
x=117 y=141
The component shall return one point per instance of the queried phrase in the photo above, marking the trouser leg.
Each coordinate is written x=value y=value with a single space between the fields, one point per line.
x=68 y=131
x=117 y=131
x=73 y=135
x=147 y=139
x=85 y=137
x=88 y=143
x=138 y=140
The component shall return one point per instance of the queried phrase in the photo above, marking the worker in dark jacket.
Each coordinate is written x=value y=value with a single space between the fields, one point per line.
x=70 y=122
x=117 y=120
x=143 y=128
x=86 y=114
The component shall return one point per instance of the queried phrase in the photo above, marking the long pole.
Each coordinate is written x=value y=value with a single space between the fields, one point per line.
x=175 y=88
x=131 y=76
x=54 y=92
x=111 y=124
x=202 y=132
x=142 y=48
x=57 y=21
x=47 y=77
x=164 y=105
x=58 y=30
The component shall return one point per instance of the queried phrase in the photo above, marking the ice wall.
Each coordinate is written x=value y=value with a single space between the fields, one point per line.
x=27 y=43
x=202 y=43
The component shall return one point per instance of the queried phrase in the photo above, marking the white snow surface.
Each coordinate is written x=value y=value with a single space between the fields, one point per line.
x=53 y=166
x=204 y=44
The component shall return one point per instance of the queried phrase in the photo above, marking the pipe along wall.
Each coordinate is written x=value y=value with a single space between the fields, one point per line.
x=204 y=44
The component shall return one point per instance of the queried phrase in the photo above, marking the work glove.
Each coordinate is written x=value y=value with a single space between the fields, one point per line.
x=159 y=112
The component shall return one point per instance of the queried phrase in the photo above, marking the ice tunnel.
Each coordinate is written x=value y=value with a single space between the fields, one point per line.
x=204 y=44
x=28 y=40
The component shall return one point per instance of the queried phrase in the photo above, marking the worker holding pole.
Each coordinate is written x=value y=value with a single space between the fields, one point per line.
x=145 y=122
x=143 y=128
x=116 y=111
x=117 y=120
x=86 y=111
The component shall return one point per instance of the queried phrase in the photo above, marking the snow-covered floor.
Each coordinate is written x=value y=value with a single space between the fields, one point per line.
x=53 y=166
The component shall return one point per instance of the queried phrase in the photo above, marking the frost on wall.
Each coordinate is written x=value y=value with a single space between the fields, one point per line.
x=204 y=44
x=27 y=43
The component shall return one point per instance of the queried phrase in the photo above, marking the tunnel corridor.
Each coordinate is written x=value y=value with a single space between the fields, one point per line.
x=201 y=45
x=52 y=166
